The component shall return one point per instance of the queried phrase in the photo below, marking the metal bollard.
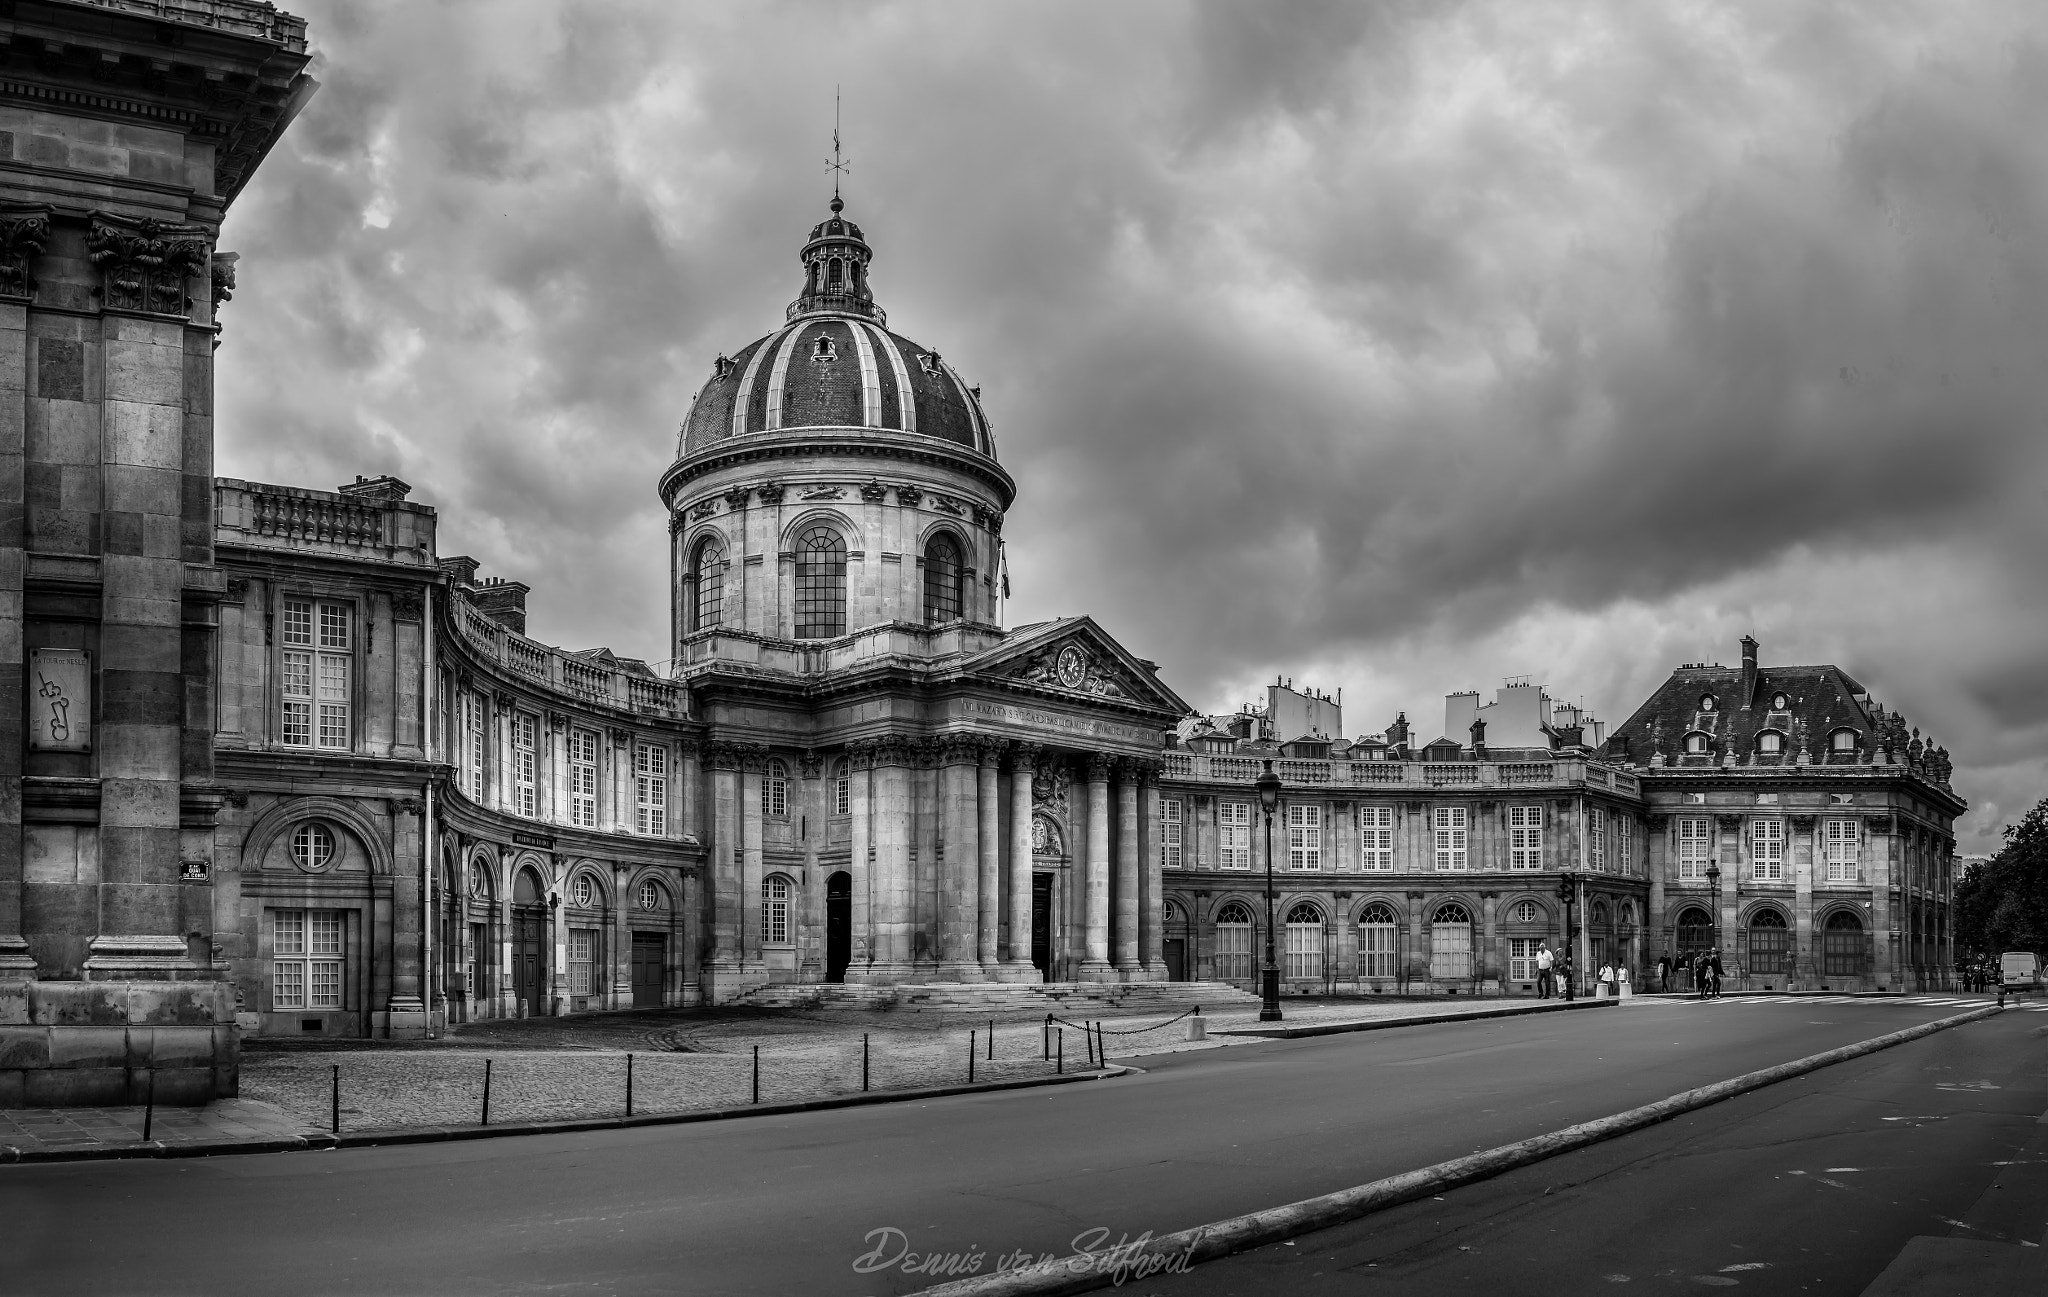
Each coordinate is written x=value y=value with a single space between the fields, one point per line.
x=334 y=1111
x=487 y=1092
x=149 y=1107
x=863 y=1062
x=1045 y=1040
x=757 y=1074
x=1198 y=1026
x=1060 y=1049
x=972 y=1046
x=991 y=1040
x=629 y=1084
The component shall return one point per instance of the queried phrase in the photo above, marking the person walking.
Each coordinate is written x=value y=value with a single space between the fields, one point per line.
x=1664 y=973
x=1698 y=964
x=1714 y=973
x=1544 y=960
x=1564 y=973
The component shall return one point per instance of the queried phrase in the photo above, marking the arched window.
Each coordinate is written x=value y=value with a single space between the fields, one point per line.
x=650 y=896
x=1707 y=702
x=1842 y=741
x=1527 y=912
x=1234 y=943
x=1169 y=914
x=1695 y=931
x=1844 y=952
x=479 y=880
x=1599 y=914
x=1376 y=941
x=312 y=846
x=1770 y=743
x=526 y=888
x=1779 y=702
x=1770 y=944
x=775 y=910
x=583 y=892
x=942 y=593
x=842 y=787
x=1450 y=942
x=1304 y=941
x=835 y=273
x=820 y=584
x=707 y=578
x=775 y=791
x=1696 y=742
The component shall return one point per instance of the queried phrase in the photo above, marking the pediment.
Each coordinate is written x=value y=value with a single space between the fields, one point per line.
x=1076 y=658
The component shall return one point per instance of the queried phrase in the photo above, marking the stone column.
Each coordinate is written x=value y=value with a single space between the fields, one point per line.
x=1124 y=906
x=1417 y=962
x=1731 y=830
x=407 y=1006
x=558 y=938
x=891 y=821
x=1489 y=973
x=619 y=941
x=1018 y=967
x=959 y=860
x=810 y=930
x=1805 y=965
x=1656 y=924
x=1095 y=960
x=507 y=994
x=722 y=874
x=753 y=760
x=1151 y=880
x=689 y=788
x=989 y=892
x=860 y=862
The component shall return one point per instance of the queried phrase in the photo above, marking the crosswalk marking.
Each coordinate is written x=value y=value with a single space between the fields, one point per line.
x=1926 y=1002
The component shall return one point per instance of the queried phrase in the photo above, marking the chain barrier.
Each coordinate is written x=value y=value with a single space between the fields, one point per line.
x=1134 y=1031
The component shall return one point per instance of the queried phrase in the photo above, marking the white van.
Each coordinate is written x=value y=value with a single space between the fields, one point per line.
x=2019 y=972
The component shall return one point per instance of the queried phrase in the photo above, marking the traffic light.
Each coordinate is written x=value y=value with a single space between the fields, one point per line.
x=1564 y=890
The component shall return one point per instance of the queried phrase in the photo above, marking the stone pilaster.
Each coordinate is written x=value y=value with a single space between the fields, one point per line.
x=1124 y=905
x=861 y=858
x=892 y=831
x=1806 y=969
x=1152 y=895
x=753 y=760
x=1018 y=967
x=1095 y=965
x=723 y=854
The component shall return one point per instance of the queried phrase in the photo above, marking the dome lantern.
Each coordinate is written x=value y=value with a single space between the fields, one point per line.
x=835 y=261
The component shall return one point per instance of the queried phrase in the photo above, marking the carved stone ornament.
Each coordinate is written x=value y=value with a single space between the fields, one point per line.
x=1071 y=666
x=24 y=232
x=955 y=507
x=736 y=499
x=408 y=605
x=238 y=589
x=222 y=272
x=1802 y=823
x=704 y=509
x=770 y=492
x=408 y=806
x=1024 y=755
x=1657 y=823
x=235 y=796
x=989 y=518
x=145 y=265
x=909 y=496
x=1045 y=837
x=1729 y=823
x=810 y=764
x=873 y=492
x=1049 y=784
x=821 y=493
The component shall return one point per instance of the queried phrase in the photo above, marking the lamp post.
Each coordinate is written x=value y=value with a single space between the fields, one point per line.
x=1714 y=885
x=1568 y=892
x=1269 y=977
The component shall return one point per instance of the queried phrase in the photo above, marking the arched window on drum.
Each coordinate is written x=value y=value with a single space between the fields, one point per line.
x=944 y=598
x=820 y=584
x=1304 y=942
x=1450 y=942
x=707 y=584
x=1234 y=943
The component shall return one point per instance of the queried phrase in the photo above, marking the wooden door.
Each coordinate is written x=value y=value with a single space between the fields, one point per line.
x=838 y=925
x=1041 y=924
x=529 y=964
x=650 y=968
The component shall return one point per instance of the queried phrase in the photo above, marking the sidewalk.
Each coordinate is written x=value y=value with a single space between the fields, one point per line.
x=555 y=1070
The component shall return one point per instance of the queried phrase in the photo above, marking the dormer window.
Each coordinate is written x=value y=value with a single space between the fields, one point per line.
x=823 y=349
x=1842 y=741
x=1770 y=743
x=1706 y=702
x=1696 y=743
x=1779 y=702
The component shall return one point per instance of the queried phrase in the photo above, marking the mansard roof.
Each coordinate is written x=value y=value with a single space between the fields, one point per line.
x=1713 y=700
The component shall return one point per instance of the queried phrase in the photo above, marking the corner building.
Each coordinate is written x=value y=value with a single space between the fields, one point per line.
x=897 y=789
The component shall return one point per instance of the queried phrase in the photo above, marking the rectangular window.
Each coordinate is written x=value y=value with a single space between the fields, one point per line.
x=1624 y=844
x=1525 y=837
x=1843 y=839
x=1304 y=837
x=842 y=795
x=1596 y=839
x=650 y=789
x=1376 y=949
x=1304 y=950
x=583 y=778
x=305 y=947
x=1522 y=959
x=1693 y=855
x=525 y=764
x=1169 y=833
x=582 y=948
x=1452 y=825
x=317 y=675
x=1234 y=831
x=1375 y=837
x=1767 y=850
x=476 y=745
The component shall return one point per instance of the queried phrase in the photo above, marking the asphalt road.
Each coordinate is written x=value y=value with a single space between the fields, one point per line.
x=787 y=1204
x=1810 y=1186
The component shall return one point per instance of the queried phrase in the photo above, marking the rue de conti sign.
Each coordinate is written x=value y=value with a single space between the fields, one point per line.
x=1063 y=724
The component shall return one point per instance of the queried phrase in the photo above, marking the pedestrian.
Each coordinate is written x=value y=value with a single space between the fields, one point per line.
x=1544 y=959
x=1698 y=965
x=1622 y=987
x=1607 y=980
x=1664 y=973
x=1565 y=974
x=1714 y=972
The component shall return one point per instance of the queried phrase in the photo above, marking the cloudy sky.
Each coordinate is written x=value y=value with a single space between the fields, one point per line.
x=1397 y=347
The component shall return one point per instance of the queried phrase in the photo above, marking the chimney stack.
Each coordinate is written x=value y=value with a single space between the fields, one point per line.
x=1748 y=671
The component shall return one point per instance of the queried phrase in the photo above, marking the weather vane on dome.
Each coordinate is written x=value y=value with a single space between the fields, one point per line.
x=837 y=165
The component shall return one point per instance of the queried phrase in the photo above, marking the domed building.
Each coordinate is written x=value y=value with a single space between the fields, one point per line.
x=899 y=788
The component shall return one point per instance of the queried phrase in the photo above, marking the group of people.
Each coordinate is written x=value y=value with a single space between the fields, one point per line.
x=1554 y=975
x=1978 y=975
x=1702 y=966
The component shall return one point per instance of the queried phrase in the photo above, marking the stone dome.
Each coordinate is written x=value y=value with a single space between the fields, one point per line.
x=834 y=364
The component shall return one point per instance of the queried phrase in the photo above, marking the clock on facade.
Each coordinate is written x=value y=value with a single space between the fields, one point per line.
x=1072 y=667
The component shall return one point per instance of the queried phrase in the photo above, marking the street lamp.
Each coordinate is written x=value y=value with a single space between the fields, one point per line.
x=1714 y=885
x=1568 y=892
x=1269 y=977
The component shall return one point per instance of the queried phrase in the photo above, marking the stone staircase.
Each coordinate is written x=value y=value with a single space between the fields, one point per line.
x=985 y=998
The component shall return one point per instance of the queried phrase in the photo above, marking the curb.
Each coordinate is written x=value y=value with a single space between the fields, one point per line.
x=1175 y=1253
x=12 y=1154
x=1423 y=1020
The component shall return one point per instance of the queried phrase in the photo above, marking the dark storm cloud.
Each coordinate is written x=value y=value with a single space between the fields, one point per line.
x=1395 y=341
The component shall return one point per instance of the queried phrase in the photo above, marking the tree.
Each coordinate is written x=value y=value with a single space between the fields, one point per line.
x=2003 y=904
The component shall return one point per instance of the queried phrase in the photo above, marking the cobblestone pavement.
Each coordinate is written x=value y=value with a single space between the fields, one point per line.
x=554 y=1068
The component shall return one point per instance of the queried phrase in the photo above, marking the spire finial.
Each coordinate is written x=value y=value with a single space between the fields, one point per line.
x=837 y=166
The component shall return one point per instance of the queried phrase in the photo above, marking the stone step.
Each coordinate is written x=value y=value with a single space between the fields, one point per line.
x=999 y=997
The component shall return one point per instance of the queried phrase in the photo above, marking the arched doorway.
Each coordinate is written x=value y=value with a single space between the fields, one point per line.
x=1233 y=957
x=529 y=945
x=1304 y=943
x=1450 y=943
x=838 y=925
x=1770 y=945
x=1844 y=947
x=1173 y=941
